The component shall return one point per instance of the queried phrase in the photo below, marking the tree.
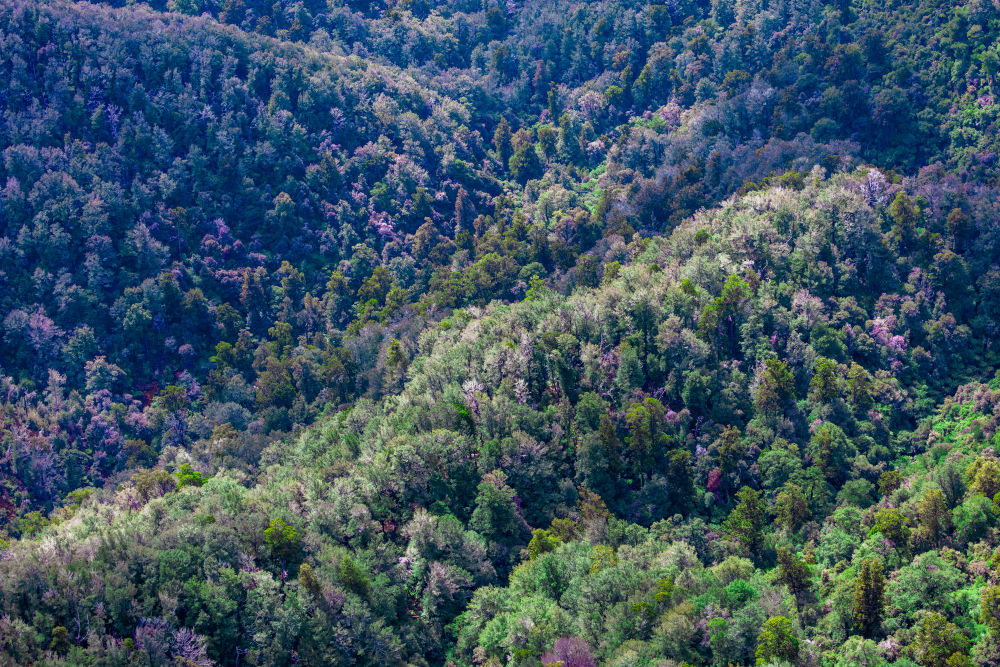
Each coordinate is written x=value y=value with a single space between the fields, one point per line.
x=548 y=139
x=646 y=440
x=353 y=578
x=889 y=481
x=791 y=506
x=465 y=212
x=905 y=215
x=746 y=522
x=679 y=478
x=825 y=383
x=893 y=526
x=989 y=613
x=501 y=141
x=869 y=598
x=542 y=541
x=282 y=220
x=524 y=163
x=613 y=450
x=832 y=452
x=934 y=518
x=939 y=643
x=794 y=573
x=630 y=374
x=730 y=451
x=984 y=476
x=722 y=315
x=775 y=389
x=283 y=540
x=60 y=640
x=859 y=387
x=188 y=476
x=496 y=516
x=777 y=641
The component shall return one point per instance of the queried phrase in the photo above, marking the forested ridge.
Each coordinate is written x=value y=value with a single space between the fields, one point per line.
x=499 y=334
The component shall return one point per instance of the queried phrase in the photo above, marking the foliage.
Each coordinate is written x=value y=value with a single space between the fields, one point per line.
x=499 y=333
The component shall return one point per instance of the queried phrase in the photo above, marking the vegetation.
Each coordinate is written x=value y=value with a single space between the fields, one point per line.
x=479 y=334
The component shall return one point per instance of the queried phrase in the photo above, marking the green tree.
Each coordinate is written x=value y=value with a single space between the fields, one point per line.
x=794 y=573
x=889 y=481
x=984 y=476
x=721 y=318
x=283 y=540
x=825 y=384
x=548 y=139
x=679 y=478
x=602 y=557
x=775 y=389
x=188 y=476
x=60 y=640
x=777 y=641
x=630 y=374
x=832 y=452
x=934 y=518
x=524 y=163
x=894 y=526
x=859 y=388
x=353 y=578
x=989 y=613
x=542 y=541
x=791 y=506
x=869 y=598
x=646 y=440
x=746 y=521
x=939 y=643
x=496 y=516
x=905 y=216
x=501 y=141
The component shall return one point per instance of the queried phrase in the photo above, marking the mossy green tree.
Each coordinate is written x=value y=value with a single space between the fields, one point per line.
x=777 y=641
x=869 y=598
x=283 y=540
x=745 y=523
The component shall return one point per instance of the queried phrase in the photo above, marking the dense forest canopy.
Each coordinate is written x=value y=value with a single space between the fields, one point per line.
x=481 y=333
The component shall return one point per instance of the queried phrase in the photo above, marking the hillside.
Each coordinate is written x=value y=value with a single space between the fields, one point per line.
x=624 y=430
x=480 y=333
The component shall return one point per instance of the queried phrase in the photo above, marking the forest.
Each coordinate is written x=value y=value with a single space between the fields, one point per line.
x=500 y=334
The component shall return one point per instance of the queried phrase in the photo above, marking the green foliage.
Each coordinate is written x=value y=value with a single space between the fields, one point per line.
x=869 y=598
x=524 y=163
x=939 y=643
x=776 y=387
x=746 y=521
x=777 y=641
x=307 y=277
x=496 y=516
x=353 y=578
x=31 y=524
x=283 y=540
x=793 y=572
x=542 y=541
x=893 y=526
x=60 y=640
x=187 y=476
x=601 y=558
x=990 y=608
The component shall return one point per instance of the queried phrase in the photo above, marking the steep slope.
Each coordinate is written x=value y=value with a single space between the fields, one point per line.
x=909 y=579
x=764 y=360
x=186 y=229
x=208 y=227
x=481 y=333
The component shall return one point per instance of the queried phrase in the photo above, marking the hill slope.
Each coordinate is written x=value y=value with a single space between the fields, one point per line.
x=477 y=333
x=628 y=425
